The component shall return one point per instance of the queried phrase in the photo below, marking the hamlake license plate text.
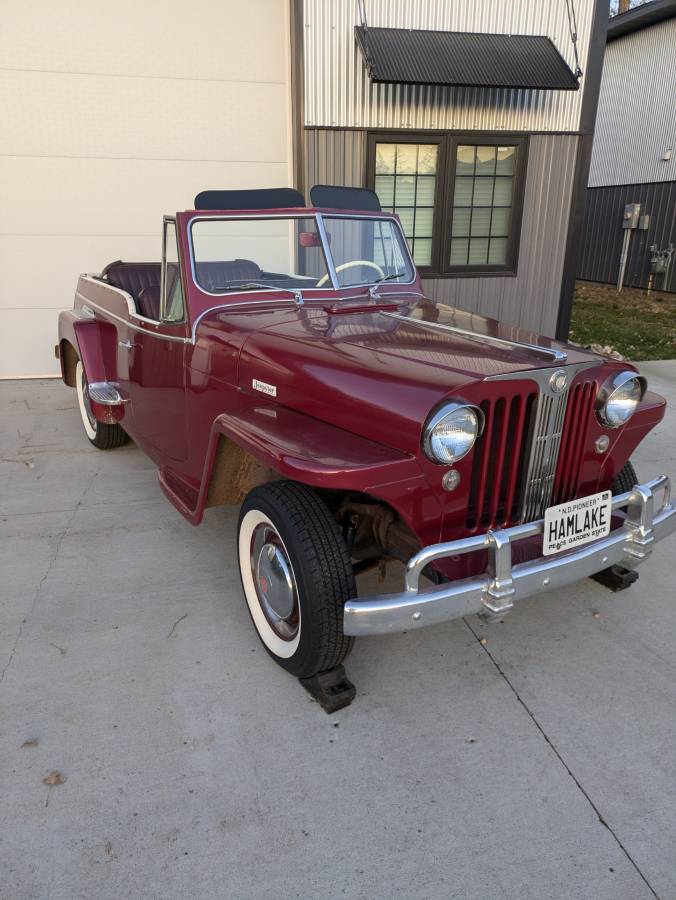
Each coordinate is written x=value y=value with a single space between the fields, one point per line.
x=572 y=524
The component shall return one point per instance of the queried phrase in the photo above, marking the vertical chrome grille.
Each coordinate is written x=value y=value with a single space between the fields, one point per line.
x=544 y=454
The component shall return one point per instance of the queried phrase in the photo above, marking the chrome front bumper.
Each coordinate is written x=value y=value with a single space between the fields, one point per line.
x=496 y=591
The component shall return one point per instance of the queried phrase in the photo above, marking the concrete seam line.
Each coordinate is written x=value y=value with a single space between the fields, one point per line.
x=579 y=786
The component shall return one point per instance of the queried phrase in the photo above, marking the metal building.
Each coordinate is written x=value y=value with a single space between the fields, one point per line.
x=471 y=120
x=631 y=201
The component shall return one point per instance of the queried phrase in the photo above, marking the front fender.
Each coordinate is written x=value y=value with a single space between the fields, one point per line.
x=310 y=451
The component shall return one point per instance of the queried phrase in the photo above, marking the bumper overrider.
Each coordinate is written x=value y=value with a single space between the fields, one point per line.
x=649 y=517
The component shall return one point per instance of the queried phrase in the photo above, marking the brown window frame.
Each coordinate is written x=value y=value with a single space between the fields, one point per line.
x=448 y=142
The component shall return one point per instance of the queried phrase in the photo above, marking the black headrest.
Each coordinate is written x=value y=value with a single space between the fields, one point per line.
x=334 y=196
x=268 y=198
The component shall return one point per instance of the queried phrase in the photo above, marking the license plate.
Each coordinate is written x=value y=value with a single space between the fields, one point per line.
x=570 y=525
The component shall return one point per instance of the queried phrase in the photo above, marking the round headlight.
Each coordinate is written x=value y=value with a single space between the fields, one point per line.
x=619 y=398
x=450 y=432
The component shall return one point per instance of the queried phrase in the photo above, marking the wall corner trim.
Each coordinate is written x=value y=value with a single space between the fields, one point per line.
x=590 y=99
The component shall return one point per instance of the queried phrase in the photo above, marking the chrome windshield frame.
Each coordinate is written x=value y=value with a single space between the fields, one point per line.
x=321 y=230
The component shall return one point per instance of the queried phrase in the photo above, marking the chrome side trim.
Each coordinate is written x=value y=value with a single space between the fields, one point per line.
x=129 y=300
x=241 y=304
x=496 y=590
x=111 y=315
x=557 y=356
x=236 y=305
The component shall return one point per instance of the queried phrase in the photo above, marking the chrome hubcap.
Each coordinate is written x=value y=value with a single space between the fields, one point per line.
x=275 y=582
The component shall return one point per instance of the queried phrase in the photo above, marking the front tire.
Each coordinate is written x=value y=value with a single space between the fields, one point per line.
x=296 y=576
x=626 y=480
x=102 y=436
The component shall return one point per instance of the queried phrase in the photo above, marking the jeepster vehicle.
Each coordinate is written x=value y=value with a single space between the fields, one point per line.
x=286 y=357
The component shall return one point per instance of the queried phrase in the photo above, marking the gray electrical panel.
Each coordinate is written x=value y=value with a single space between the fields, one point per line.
x=632 y=213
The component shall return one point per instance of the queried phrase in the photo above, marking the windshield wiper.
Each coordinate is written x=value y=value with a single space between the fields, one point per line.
x=243 y=285
x=373 y=288
x=296 y=293
x=390 y=277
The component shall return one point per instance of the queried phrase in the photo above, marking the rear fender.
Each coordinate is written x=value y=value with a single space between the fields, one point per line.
x=97 y=348
x=94 y=343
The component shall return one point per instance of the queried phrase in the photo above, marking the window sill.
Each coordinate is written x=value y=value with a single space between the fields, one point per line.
x=470 y=273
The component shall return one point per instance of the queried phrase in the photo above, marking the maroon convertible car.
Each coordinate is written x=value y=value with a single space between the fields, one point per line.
x=286 y=358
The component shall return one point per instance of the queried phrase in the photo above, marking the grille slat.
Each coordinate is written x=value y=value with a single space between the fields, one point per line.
x=497 y=486
x=513 y=468
x=486 y=460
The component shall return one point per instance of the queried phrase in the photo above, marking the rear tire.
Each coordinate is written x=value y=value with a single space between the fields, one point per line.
x=296 y=576
x=626 y=480
x=102 y=436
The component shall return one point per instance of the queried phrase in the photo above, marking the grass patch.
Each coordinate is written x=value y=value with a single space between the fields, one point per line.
x=637 y=326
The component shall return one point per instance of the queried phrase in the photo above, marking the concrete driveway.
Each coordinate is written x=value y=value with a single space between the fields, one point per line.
x=541 y=764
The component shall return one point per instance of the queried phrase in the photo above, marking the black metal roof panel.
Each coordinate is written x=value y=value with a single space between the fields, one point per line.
x=403 y=56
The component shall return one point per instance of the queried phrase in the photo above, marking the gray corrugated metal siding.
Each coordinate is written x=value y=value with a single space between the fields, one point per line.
x=602 y=234
x=636 y=119
x=338 y=91
x=531 y=298
x=335 y=157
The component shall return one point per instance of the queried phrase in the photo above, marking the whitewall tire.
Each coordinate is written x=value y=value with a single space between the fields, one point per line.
x=296 y=576
x=100 y=434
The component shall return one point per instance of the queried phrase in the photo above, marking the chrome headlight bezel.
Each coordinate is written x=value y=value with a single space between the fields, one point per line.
x=437 y=417
x=609 y=388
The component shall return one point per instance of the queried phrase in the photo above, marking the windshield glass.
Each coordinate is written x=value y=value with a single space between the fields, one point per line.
x=241 y=254
x=233 y=254
x=368 y=250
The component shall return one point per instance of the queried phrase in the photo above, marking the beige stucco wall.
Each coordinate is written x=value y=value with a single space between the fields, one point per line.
x=114 y=114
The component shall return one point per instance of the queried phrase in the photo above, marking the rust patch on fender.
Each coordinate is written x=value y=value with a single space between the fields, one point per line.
x=234 y=473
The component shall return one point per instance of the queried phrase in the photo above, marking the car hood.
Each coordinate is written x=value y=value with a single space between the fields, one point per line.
x=379 y=368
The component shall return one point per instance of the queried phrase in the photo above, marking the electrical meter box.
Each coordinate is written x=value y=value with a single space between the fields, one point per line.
x=632 y=213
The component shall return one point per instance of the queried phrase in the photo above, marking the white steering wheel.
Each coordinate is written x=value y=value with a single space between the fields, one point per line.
x=347 y=265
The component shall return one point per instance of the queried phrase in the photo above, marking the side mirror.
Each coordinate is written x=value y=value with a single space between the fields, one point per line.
x=309 y=239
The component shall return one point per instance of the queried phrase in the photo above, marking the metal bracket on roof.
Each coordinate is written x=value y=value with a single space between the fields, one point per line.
x=361 y=10
x=572 y=26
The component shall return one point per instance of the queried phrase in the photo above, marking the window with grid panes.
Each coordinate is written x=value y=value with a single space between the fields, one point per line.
x=459 y=197
x=405 y=181
x=482 y=204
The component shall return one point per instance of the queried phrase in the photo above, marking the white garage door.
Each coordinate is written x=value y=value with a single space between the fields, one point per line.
x=114 y=114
